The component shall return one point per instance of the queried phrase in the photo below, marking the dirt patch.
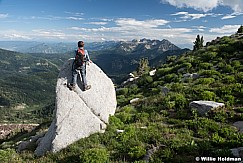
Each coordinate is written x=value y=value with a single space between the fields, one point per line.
x=9 y=129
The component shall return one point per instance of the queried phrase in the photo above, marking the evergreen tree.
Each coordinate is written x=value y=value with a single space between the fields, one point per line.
x=240 y=30
x=198 y=44
x=143 y=66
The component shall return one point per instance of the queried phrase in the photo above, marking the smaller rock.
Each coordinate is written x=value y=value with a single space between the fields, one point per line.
x=131 y=75
x=152 y=73
x=33 y=141
x=134 y=100
x=239 y=126
x=188 y=75
x=119 y=131
x=237 y=152
x=204 y=106
x=164 y=90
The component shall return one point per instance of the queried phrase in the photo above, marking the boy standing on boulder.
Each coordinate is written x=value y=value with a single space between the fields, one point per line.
x=79 y=64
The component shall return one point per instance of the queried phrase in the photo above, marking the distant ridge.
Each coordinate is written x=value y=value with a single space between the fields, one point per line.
x=64 y=47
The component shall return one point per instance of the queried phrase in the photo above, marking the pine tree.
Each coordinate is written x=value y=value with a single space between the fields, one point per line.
x=143 y=66
x=198 y=44
x=240 y=30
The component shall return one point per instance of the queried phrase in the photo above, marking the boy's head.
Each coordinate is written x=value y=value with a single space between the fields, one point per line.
x=80 y=44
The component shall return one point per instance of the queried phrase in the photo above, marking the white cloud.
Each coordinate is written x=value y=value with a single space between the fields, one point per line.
x=206 y=5
x=186 y=15
x=236 y=5
x=200 y=28
x=130 y=22
x=226 y=29
x=74 y=13
x=129 y=29
x=14 y=35
x=74 y=18
x=230 y=16
x=2 y=16
x=101 y=29
x=97 y=23
x=52 y=34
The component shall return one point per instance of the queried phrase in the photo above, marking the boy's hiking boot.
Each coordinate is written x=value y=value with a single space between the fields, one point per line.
x=71 y=86
x=87 y=87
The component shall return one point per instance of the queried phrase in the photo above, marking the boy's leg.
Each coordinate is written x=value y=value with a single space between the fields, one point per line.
x=74 y=77
x=83 y=76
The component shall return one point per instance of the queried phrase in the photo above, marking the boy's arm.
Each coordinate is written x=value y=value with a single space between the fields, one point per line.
x=87 y=55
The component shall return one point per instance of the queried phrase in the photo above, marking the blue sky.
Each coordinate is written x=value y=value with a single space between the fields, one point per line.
x=179 y=21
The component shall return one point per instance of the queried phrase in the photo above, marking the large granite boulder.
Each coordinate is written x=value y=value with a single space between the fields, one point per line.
x=204 y=106
x=79 y=113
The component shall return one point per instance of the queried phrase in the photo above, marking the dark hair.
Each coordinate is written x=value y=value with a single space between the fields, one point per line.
x=80 y=44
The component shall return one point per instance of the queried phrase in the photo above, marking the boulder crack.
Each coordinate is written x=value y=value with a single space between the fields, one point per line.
x=91 y=110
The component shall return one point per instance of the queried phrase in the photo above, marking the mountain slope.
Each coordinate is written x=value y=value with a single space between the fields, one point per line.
x=26 y=79
x=159 y=126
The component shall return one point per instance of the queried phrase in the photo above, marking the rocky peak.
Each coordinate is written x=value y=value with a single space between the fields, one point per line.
x=146 y=44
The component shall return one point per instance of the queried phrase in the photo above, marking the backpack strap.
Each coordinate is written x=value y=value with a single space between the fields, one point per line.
x=81 y=51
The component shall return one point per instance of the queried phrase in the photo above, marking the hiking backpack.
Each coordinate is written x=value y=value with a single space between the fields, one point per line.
x=80 y=57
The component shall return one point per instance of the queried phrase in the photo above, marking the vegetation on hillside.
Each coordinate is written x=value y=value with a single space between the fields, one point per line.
x=27 y=86
x=160 y=126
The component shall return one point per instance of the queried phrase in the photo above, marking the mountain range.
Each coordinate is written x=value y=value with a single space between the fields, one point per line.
x=63 y=47
x=116 y=58
x=51 y=47
x=124 y=57
x=36 y=68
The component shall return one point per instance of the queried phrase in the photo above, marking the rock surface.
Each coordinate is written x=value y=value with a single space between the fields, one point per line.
x=204 y=106
x=239 y=126
x=237 y=152
x=79 y=113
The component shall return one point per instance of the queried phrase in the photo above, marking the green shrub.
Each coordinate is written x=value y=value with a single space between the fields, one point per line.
x=122 y=91
x=137 y=152
x=187 y=66
x=228 y=69
x=236 y=64
x=163 y=71
x=205 y=66
x=114 y=121
x=94 y=155
x=144 y=80
x=133 y=89
x=142 y=117
x=207 y=56
x=217 y=139
x=209 y=73
x=229 y=79
x=212 y=48
x=122 y=100
x=207 y=95
x=171 y=78
x=229 y=100
x=126 y=118
x=239 y=77
x=9 y=155
x=177 y=87
x=205 y=81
